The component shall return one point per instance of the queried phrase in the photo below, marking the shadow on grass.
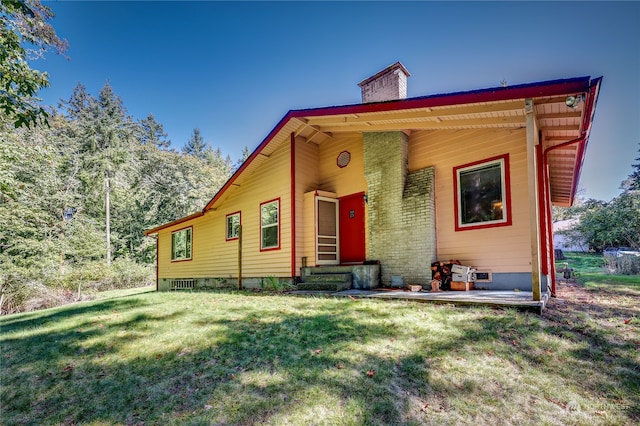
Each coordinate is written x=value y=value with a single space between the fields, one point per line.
x=240 y=360
x=37 y=319
x=243 y=368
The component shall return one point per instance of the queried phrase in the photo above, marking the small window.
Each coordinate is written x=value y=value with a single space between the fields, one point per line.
x=343 y=159
x=181 y=244
x=270 y=225
x=482 y=194
x=233 y=226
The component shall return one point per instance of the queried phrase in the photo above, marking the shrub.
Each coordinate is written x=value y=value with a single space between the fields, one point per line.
x=625 y=265
x=23 y=290
x=98 y=276
x=14 y=293
x=23 y=294
x=275 y=284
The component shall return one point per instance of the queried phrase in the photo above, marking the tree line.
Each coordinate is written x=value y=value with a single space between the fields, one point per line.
x=77 y=193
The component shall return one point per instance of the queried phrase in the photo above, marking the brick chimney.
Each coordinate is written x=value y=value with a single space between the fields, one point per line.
x=401 y=204
x=390 y=84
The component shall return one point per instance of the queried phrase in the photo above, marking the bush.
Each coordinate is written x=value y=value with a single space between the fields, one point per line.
x=14 y=293
x=625 y=265
x=23 y=294
x=275 y=284
x=98 y=276
x=22 y=290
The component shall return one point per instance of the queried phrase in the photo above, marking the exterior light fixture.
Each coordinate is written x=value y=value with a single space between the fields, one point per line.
x=573 y=101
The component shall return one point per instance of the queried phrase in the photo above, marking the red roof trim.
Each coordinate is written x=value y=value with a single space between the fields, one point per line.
x=531 y=90
x=587 y=120
x=249 y=160
x=175 y=222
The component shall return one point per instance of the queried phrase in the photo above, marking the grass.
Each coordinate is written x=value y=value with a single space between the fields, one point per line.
x=589 y=270
x=254 y=358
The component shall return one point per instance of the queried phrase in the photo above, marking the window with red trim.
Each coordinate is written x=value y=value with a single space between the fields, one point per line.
x=270 y=225
x=233 y=226
x=482 y=194
x=181 y=242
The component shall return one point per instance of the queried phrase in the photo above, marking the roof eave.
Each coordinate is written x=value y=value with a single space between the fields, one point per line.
x=173 y=223
x=523 y=91
x=592 y=99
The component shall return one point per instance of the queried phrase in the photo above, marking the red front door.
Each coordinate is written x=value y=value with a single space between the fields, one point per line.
x=352 y=228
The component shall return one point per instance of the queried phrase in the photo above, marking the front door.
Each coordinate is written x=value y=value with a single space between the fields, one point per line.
x=352 y=238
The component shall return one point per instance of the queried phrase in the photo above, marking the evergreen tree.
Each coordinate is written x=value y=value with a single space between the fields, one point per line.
x=105 y=132
x=196 y=146
x=243 y=157
x=150 y=132
x=632 y=183
x=93 y=175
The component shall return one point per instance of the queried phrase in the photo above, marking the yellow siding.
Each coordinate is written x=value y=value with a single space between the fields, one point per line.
x=307 y=179
x=200 y=244
x=215 y=257
x=501 y=249
x=347 y=180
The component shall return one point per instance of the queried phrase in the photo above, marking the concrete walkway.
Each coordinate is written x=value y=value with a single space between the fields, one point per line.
x=498 y=298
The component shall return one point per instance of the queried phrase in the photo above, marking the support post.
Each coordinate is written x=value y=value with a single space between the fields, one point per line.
x=534 y=226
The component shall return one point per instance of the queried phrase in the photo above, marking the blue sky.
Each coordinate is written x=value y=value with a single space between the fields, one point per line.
x=234 y=69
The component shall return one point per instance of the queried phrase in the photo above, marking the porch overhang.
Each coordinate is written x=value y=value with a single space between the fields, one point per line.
x=500 y=107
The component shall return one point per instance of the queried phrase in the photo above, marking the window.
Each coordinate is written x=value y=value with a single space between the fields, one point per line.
x=270 y=225
x=343 y=159
x=233 y=226
x=181 y=244
x=482 y=194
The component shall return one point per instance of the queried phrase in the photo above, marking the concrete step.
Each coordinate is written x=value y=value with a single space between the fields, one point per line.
x=327 y=282
x=326 y=277
x=329 y=270
x=324 y=286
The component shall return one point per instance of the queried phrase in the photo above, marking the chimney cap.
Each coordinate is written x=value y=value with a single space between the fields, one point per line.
x=390 y=68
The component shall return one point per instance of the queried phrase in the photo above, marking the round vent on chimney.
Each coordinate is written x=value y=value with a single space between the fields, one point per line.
x=343 y=159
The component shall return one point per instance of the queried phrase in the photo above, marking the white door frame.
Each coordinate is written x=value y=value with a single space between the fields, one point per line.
x=327 y=242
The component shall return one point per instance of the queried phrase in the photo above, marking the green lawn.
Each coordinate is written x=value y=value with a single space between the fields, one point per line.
x=254 y=358
x=589 y=272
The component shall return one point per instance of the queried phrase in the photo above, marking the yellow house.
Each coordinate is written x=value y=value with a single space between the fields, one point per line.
x=391 y=185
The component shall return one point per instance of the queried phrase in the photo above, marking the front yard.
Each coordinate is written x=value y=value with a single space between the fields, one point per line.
x=255 y=358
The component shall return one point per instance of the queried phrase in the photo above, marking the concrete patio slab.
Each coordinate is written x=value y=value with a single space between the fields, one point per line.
x=497 y=298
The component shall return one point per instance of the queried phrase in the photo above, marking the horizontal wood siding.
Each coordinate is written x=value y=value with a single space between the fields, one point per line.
x=213 y=256
x=346 y=180
x=501 y=249
x=307 y=179
x=200 y=244
x=272 y=180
